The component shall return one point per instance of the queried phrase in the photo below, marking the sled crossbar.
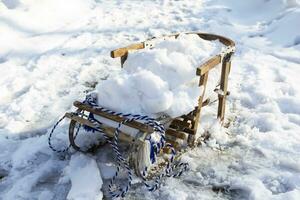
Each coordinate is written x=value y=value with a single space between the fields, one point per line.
x=109 y=131
x=206 y=36
x=133 y=124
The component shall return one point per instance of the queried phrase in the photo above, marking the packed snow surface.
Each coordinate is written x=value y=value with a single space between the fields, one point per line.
x=53 y=52
x=159 y=80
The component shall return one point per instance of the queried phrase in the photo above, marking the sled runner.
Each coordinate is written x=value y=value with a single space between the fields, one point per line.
x=151 y=139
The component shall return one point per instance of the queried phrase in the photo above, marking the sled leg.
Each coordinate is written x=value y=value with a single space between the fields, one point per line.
x=195 y=122
x=226 y=65
x=123 y=59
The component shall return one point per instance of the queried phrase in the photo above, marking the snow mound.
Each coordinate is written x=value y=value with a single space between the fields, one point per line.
x=159 y=80
x=277 y=32
x=85 y=178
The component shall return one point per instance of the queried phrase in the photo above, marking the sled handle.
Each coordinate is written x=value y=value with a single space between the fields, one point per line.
x=123 y=51
x=206 y=36
x=208 y=65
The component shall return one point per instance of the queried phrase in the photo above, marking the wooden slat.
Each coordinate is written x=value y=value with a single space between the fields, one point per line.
x=206 y=102
x=190 y=131
x=107 y=130
x=174 y=126
x=180 y=124
x=80 y=120
x=202 y=82
x=176 y=134
x=208 y=65
x=193 y=130
x=122 y=51
x=206 y=36
x=223 y=86
x=133 y=124
x=123 y=59
x=110 y=131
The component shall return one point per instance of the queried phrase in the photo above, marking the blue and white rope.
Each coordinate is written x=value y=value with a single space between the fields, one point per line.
x=156 y=147
x=120 y=159
x=168 y=172
x=52 y=131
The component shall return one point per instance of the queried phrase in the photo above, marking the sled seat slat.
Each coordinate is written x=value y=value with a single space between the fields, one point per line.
x=176 y=133
x=181 y=123
x=190 y=131
x=132 y=124
x=80 y=120
x=109 y=131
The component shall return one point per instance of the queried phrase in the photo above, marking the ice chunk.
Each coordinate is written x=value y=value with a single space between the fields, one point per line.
x=85 y=178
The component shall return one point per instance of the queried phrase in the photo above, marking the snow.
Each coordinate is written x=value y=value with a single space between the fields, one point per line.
x=85 y=178
x=160 y=80
x=55 y=52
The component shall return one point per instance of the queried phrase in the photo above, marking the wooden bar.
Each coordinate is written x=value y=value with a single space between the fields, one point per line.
x=202 y=82
x=206 y=36
x=106 y=129
x=79 y=120
x=223 y=86
x=189 y=131
x=176 y=133
x=208 y=65
x=122 y=51
x=123 y=59
x=181 y=123
x=133 y=124
x=110 y=131
x=206 y=102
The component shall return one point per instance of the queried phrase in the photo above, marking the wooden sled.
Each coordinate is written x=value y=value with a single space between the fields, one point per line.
x=182 y=129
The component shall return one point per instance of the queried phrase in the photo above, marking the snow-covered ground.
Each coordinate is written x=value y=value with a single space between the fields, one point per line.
x=53 y=52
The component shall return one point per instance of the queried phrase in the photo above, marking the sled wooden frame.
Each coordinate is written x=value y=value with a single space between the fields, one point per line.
x=181 y=128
